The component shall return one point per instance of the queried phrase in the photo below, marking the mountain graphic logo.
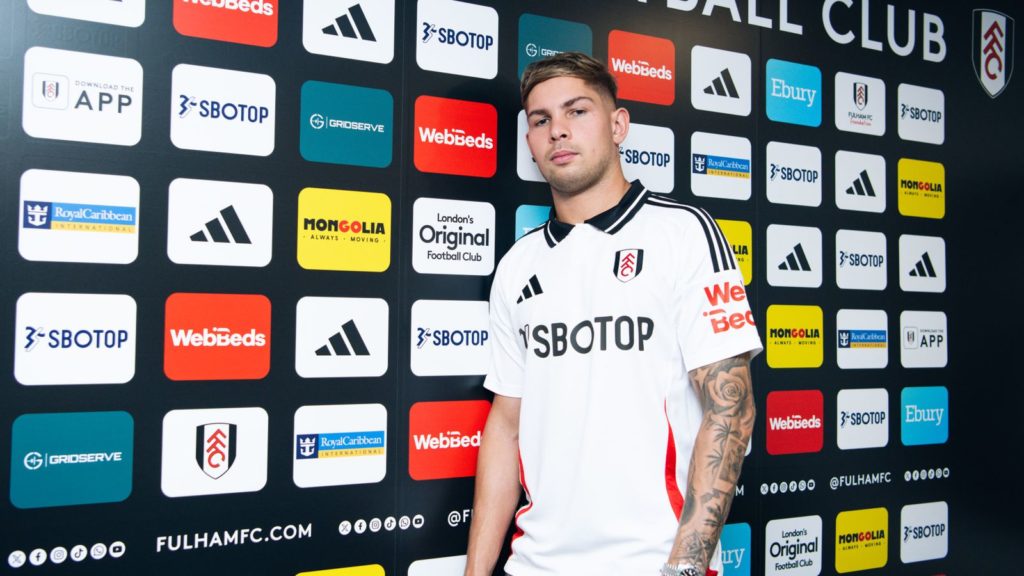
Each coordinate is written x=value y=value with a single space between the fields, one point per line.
x=348 y=342
x=218 y=229
x=924 y=268
x=796 y=261
x=861 y=186
x=352 y=25
x=723 y=86
x=531 y=289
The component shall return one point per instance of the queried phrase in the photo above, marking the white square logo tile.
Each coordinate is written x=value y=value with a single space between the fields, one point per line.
x=922 y=263
x=341 y=337
x=219 y=223
x=457 y=38
x=131 y=13
x=860 y=104
x=452 y=237
x=649 y=154
x=921 y=113
x=925 y=341
x=350 y=29
x=793 y=174
x=860 y=182
x=449 y=338
x=863 y=418
x=924 y=532
x=862 y=339
x=720 y=166
x=338 y=445
x=793 y=547
x=526 y=168
x=720 y=81
x=793 y=256
x=214 y=451
x=861 y=260
x=448 y=566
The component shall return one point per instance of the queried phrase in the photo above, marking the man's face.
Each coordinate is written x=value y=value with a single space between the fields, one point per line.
x=574 y=133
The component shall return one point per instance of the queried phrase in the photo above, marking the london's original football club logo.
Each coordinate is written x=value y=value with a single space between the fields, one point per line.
x=215 y=448
x=860 y=95
x=628 y=264
x=992 y=51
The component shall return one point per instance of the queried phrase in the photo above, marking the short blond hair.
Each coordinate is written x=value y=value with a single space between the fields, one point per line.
x=572 y=65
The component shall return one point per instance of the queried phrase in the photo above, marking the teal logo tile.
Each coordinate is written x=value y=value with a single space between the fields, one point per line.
x=540 y=37
x=342 y=124
x=793 y=93
x=529 y=216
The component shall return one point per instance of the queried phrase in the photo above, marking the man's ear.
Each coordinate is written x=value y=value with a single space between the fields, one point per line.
x=620 y=125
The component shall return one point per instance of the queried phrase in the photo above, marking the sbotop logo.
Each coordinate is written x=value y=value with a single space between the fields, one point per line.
x=457 y=38
x=924 y=415
x=736 y=549
x=342 y=124
x=862 y=339
x=793 y=256
x=649 y=154
x=449 y=338
x=216 y=336
x=862 y=540
x=720 y=81
x=358 y=30
x=341 y=337
x=861 y=260
x=455 y=137
x=541 y=37
x=219 y=223
x=530 y=216
x=444 y=438
x=452 y=237
x=860 y=181
x=924 y=532
x=344 y=230
x=793 y=546
x=862 y=418
x=337 y=445
x=795 y=422
x=924 y=343
x=741 y=240
x=217 y=110
x=992 y=52
x=252 y=22
x=922 y=263
x=793 y=93
x=78 y=217
x=922 y=188
x=71 y=458
x=921 y=114
x=793 y=174
x=131 y=13
x=860 y=104
x=213 y=451
x=795 y=336
x=74 y=339
x=720 y=166
x=82 y=97
x=644 y=67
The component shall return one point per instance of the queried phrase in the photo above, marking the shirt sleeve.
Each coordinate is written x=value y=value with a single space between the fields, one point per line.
x=505 y=373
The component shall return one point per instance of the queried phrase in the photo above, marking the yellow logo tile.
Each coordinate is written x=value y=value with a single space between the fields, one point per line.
x=794 y=337
x=370 y=570
x=922 y=188
x=862 y=539
x=741 y=238
x=344 y=230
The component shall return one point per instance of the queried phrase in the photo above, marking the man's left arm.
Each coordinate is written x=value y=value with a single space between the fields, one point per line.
x=727 y=399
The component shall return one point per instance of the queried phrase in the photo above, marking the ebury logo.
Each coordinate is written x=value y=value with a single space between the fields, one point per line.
x=795 y=422
x=74 y=339
x=455 y=137
x=922 y=188
x=736 y=555
x=367 y=570
x=78 y=217
x=71 y=458
x=860 y=182
x=644 y=67
x=862 y=418
x=741 y=240
x=341 y=337
x=213 y=451
x=457 y=38
x=924 y=415
x=131 y=13
x=862 y=339
x=341 y=124
x=449 y=338
x=921 y=114
x=793 y=93
x=720 y=81
x=219 y=223
x=453 y=237
x=924 y=532
x=82 y=97
x=924 y=342
x=444 y=438
x=992 y=50
x=344 y=230
x=794 y=174
x=794 y=336
x=793 y=256
x=793 y=547
x=252 y=22
x=862 y=540
x=216 y=336
x=540 y=37
x=338 y=445
x=861 y=260
x=860 y=104
x=720 y=166
x=725 y=307
x=648 y=154
x=922 y=263
x=359 y=30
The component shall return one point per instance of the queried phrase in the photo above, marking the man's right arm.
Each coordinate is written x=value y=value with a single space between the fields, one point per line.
x=497 y=486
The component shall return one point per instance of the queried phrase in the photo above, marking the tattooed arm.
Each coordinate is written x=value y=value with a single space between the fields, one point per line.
x=727 y=399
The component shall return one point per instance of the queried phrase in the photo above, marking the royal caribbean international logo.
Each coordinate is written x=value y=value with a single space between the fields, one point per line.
x=339 y=445
x=992 y=52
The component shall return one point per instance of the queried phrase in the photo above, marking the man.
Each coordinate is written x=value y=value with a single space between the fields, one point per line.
x=621 y=339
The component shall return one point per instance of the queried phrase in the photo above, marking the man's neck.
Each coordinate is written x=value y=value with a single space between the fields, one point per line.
x=579 y=207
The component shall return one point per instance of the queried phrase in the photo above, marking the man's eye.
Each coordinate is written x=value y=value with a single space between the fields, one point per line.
x=541 y=122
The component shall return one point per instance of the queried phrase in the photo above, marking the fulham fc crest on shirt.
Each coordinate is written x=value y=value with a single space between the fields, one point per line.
x=628 y=264
x=215 y=448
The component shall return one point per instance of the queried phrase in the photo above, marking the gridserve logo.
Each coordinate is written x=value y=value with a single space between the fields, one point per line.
x=358 y=30
x=862 y=418
x=449 y=338
x=217 y=110
x=720 y=166
x=924 y=415
x=338 y=445
x=861 y=260
x=860 y=181
x=341 y=337
x=793 y=546
x=341 y=124
x=457 y=38
x=794 y=174
x=862 y=339
x=131 y=13
x=78 y=217
x=793 y=93
x=219 y=223
x=540 y=37
x=720 y=81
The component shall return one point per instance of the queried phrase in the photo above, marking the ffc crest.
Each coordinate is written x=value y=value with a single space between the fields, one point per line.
x=992 y=52
x=628 y=264
x=216 y=448
x=860 y=95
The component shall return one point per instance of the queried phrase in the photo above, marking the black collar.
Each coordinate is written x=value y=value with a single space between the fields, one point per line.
x=610 y=221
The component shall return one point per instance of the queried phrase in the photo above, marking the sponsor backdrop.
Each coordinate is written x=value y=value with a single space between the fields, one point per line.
x=248 y=246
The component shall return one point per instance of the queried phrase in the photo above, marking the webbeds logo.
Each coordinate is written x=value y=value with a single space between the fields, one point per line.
x=216 y=336
x=726 y=307
x=793 y=175
x=541 y=37
x=921 y=114
x=924 y=532
x=344 y=230
x=252 y=22
x=862 y=339
x=455 y=137
x=793 y=546
x=862 y=540
x=860 y=182
x=359 y=30
x=444 y=438
x=131 y=13
x=793 y=256
x=720 y=166
x=860 y=104
x=861 y=260
x=342 y=124
x=741 y=240
x=862 y=418
x=795 y=422
x=219 y=223
x=720 y=81
x=341 y=337
x=453 y=237
x=794 y=336
x=339 y=445
x=793 y=93
x=924 y=415
x=457 y=38
x=644 y=67
x=922 y=188
x=925 y=342
x=449 y=338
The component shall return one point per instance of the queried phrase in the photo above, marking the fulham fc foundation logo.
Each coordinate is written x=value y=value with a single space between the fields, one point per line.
x=628 y=264
x=992 y=52
x=215 y=448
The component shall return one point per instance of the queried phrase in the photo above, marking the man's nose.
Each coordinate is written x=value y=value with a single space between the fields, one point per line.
x=559 y=130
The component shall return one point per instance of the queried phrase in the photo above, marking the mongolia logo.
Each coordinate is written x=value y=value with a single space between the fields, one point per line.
x=992 y=53
x=860 y=95
x=628 y=264
x=216 y=448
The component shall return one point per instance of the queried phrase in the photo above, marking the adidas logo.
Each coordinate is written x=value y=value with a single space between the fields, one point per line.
x=530 y=290
x=342 y=26
x=924 y=268
x=796 y=261
x=862 y=186
x=337 y=345
x=723 y=86
x=214 y=230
